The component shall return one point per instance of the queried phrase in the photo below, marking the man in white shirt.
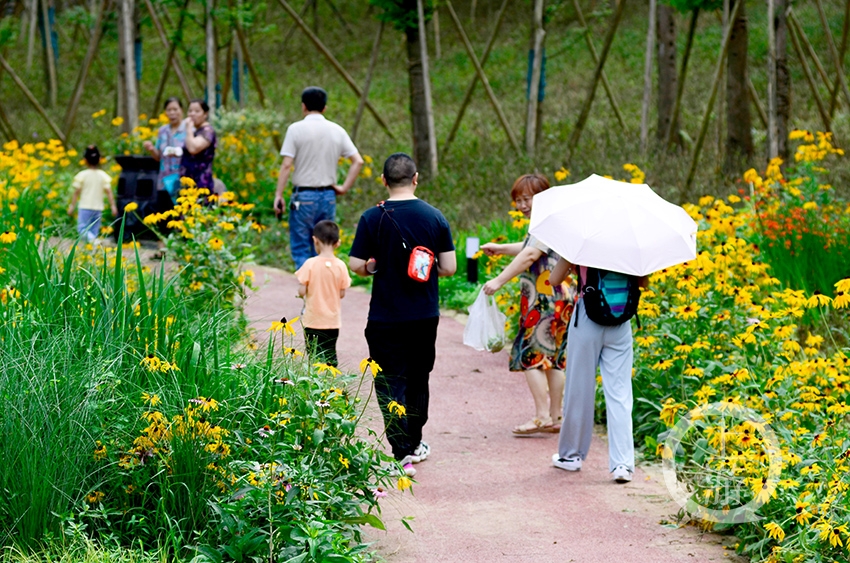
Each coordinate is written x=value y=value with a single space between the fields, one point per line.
x=314 y=146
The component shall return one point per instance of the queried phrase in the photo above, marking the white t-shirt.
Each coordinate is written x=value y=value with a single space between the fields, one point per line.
x=316 y=144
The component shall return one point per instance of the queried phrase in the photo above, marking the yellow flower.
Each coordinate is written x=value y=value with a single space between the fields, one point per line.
x=818 y=300
x=404 y=483
x=562 y=174
x=8 y=237
x=344 y=461
x=216 y=243
x=369 y=363
x=396 y=408
x=118 y=121
x=154 y=400
x=775 y=531
x=322 y=368
x=97 y=114
x=94 y=497
x=250 y=178
x=130 y=207
x=99 y=451
x=284 y=325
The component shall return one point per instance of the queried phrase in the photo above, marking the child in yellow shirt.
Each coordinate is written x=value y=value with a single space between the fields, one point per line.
x=323 y=280
x=90 y=186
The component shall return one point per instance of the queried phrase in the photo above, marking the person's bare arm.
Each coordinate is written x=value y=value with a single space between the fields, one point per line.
x=643 y=282
x=362 y=267
x=353 y=171
x=523 y=261
x=341 y=293
x=151 y=148
x=446 y=263
x=302 y=290
x=282 y=179
x=112 y=205
x=74 y=197
x=560 y=272
x=496 y=249
x=193 y=143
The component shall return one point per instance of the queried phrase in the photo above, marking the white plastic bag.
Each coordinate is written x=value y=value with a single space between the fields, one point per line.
x=485 y=328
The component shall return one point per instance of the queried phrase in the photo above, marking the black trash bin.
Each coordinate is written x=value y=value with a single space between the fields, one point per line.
x=137 y=183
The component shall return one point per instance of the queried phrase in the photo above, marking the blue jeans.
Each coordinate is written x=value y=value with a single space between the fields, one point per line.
x=312 y=206
x=88 y=223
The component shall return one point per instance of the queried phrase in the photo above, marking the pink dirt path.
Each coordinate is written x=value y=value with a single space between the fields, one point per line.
x=486 y=495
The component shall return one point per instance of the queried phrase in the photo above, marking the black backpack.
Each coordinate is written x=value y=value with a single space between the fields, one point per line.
x=599 y=287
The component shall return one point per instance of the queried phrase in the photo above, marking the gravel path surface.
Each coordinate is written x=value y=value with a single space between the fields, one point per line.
x=486 y=495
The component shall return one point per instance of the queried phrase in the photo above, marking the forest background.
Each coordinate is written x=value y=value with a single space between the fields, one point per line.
x=477 y=170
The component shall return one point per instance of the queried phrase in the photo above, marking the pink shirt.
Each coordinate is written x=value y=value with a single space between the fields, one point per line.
x=324 y=278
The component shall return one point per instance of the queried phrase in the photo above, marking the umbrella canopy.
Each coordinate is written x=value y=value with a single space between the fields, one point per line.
x=614 y=226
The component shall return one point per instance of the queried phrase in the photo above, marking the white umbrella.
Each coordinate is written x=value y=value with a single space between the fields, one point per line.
x=614 y=226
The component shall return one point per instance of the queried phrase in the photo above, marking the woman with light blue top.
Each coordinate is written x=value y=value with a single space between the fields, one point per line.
x=170 y=144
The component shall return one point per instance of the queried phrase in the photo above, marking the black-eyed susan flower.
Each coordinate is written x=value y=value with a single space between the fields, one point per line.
x=370 y=364
x=8 y=237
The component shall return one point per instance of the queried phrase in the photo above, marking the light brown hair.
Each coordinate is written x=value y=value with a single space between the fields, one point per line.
x=529 y=184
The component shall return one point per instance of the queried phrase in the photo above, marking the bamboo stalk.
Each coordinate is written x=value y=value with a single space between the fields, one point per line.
x=32 y=100
x=804 y=39
x=131 y=86
x=172 y=48
x=706 y=118
x=91 y=51
x=754 y=96
x=211 y=56
x=588 y=102
x=609 y=92
x=373 y=59
x=833 y=98
x=680 y=89
x=52 y=82
x=483 y=77
x=250 y=62
x=335 y=63
x=834 y=52
x=435 y=19
x=426 y=81
x=647 y=78
x=294 y=25
x=471 y=88
x=771 y=122
x=33 y=24
x=534 y=86
x=338 y=15
x=792 y=32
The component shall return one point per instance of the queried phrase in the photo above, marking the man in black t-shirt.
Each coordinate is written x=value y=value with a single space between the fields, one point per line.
x=403 y=313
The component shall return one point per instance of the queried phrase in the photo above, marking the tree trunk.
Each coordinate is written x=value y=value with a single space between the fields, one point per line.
x=739 y=136
x=667 y=73
x=418 y=105
x=647 y=77
x=212 y=52
x=782 y=90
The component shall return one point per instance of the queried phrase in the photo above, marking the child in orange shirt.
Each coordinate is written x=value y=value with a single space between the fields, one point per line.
x=323 y=280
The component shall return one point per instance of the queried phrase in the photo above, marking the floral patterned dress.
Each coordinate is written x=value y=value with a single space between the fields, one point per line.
x=541 y=342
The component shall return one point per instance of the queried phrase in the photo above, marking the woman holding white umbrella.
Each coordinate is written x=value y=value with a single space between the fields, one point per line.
x=538 y=350
x=612 y=235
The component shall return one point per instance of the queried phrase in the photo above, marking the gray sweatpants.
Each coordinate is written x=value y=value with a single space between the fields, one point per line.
x=610 y=348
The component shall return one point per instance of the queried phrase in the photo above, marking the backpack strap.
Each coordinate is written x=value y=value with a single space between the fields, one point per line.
x=386 y=213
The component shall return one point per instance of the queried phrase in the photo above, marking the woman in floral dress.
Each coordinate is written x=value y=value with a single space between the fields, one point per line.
x=541 y=342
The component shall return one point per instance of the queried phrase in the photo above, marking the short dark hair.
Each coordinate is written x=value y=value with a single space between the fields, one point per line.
x=314 y=98
x=201 y=102
x=92 y=155
x=173 y=99
x=399 y=170
x=327 y=232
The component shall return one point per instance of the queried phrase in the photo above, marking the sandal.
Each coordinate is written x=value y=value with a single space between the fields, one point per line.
x=555 y=427
x=158 y=255
x=534 y=426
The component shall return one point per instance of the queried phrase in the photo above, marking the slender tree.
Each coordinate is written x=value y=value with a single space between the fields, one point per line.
x=668 y=78
x=402 y=14
x=739 y=132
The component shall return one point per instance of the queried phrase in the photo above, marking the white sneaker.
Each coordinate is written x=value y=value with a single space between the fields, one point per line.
x=421 y=453
x=406 y=468
x=622 y=474
x=567 y=464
